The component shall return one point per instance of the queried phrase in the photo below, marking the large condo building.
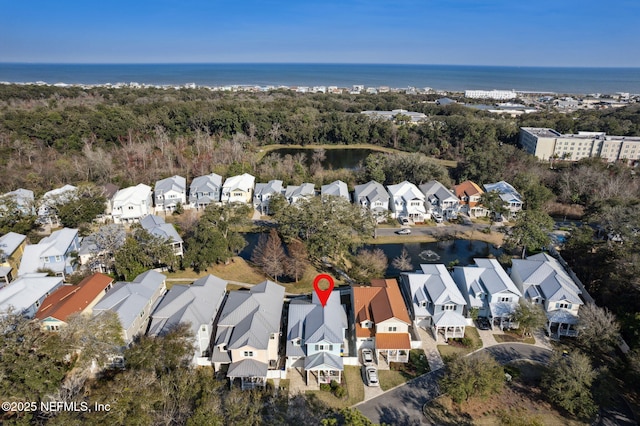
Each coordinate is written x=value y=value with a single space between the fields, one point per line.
x=490 y=94
x=547 y=144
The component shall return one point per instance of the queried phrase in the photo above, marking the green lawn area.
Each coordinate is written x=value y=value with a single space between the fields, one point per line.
x=457 y=348
x=236 y=270
x=512 y=336
x=355 y=390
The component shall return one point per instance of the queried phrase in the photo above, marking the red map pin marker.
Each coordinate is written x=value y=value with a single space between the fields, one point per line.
x=323 y=295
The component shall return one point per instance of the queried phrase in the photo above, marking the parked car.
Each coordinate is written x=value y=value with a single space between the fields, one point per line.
x=404 y=220
x=438 y=217
x=371 y=376
x=483 y=323
x=367 y=356
x=404 y=231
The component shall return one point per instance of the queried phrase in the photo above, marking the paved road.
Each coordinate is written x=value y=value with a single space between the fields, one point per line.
x=402 y=406
x=437 y=231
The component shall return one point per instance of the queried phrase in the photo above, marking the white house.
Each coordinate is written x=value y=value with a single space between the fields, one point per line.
x=316 y=337
x=511 y=198
x=248 y=334
x=55 y=252
x=295 y=193
x=337 y=189
x=131 y=204
x=133 y=302
x=542 y=280
x=487 y=288
x=205 y=190
x=407 y=201
x=238 y=189
x=46 y=211
x=439 y=199
x=197 y=305
x=263 y=193
x=26 y=294
x=170 y=192
x=24 y=199
x=373 y=197
x=435 y=300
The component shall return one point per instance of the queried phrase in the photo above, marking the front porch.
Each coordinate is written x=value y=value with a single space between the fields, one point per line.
x=251 y=373
x=394 y=347
x=449 y=324
x=501 y=315
x=562 y=323
x=324 y=366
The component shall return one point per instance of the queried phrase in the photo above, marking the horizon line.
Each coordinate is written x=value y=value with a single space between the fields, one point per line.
x=317 y=63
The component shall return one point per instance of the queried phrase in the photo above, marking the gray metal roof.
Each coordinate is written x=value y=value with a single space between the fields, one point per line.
x=405 y=190
x=323 y=361
x=252 y=316
x=494 y=278
x=337 y=188
x=435 y=285
x=196 y=304
x=173 y=183
x=548 y=277
x=26 y=290
x=248 y=368
x=371 y=191
x=158 y=227
x=55 y=244
x=207 y=184
x=293 y=192
x=433 y=188
x=128 y=299
x=506 y=191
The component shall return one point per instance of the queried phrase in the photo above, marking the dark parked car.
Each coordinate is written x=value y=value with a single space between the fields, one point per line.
x=483 y=324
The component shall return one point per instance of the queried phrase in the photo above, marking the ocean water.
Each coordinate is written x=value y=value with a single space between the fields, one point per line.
x=442 y=77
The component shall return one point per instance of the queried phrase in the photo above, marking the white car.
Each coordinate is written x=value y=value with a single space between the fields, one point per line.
x=371 y=376
x=367 y=356
x=404 y=231
x=438 y=217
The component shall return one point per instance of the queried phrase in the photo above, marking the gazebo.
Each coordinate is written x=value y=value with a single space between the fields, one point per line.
x=325 y=366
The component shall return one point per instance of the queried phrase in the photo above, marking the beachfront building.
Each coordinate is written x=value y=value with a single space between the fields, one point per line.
x=316 y=337
x=548 y=144
x=502 y=95
x=197 y=305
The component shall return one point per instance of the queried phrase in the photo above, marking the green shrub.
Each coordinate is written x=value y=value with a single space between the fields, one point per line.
x=325 y=387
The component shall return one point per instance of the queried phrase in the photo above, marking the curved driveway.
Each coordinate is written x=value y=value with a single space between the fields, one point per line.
x=403 y=404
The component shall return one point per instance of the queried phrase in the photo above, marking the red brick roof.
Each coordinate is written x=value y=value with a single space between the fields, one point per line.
x=71 y=299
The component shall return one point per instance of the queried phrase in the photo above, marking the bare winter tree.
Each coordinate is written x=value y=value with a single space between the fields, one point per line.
x=403 y=262
x=298 y=259
x=269 y=255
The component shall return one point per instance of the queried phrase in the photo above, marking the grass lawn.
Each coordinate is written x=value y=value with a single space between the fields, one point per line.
x=512 y=336
x=456 y=348
x=355 y=390
x=401 y=372
x=236 y=270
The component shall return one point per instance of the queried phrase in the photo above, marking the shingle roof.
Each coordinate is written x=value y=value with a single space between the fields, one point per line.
x=71 y=299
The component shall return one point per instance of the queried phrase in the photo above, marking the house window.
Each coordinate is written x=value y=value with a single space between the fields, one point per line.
x=422 y=304
x=58 y=258
x=46 y=260
x=141 y=314
x=248 y=354
x=505 y=299
x=203 y=328
x=324 y=347
x=296 y=342
x=449 y=307
x=394 y=328
x=563 y=305
x=130 y=207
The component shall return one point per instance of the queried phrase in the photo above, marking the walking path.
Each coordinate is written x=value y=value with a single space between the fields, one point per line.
x=430 y=348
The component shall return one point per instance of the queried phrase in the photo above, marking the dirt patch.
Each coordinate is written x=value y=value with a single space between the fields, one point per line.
x=570 y=211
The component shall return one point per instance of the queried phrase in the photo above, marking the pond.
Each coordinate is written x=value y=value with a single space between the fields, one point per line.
x=342 y=158
x=464 y=251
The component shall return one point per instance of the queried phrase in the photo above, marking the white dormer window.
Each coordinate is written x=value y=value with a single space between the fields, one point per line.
x=366 y=324
x=561 y=305
x=505 y=299
x=248 y=354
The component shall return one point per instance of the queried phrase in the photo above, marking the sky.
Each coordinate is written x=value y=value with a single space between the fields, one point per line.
x=564 y=33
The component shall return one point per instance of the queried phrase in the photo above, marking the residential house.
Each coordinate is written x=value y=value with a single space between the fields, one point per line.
x=170 y=192
x=57 y=252
x=238 y=189
x=316 y=337
x=72 y=299
x=543 y=281
x=382 y=320
x=198 y=305
x=511 y=198
x=294 y=193
x=435 y=300
x=469 y=194
x=46 y=209
x=205 y=190
x=486 y=287
x=96 y=251
x=156 y=226
x=407 y=201
x=11 y=251
x=337 y=189
x=439 y=199
x=133 y=302
x=27 y=293
x=248 y=334
x=263 y=193
x=23 y=199
x=131 y=204
x=372 y=196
